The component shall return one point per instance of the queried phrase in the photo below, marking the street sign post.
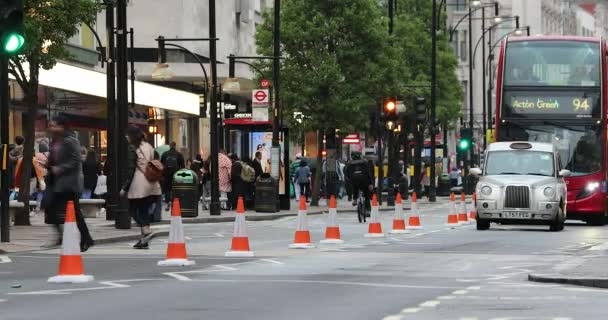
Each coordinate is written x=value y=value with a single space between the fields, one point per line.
x=265 y=83
x=259 y=104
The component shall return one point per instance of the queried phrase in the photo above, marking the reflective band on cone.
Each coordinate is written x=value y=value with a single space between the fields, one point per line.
x=414 y=221
x=332 y=231
x=375 y=227
x=240 y=240
x=472 y=213
x=176 y=249
x=452 y=216
x=302 y=235
x=463 y=218
x=71 y=269
x=399 y=219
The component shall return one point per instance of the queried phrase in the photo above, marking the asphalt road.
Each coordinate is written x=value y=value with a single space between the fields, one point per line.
x=434 y=273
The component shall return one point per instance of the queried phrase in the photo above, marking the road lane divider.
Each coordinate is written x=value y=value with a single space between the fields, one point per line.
x=332 y=230
x=399 y=218
x=302 y=235
x=414 y=221
x=71 y=268
x=240 y=240
x=374 y=226
x=176 y=248
x=452 y=216
x=463 y=218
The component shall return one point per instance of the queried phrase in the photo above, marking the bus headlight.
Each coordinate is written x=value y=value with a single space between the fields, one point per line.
x=589 y=190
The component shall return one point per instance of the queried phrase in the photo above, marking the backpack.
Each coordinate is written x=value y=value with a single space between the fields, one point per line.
x=171 y=160
x=247 y=172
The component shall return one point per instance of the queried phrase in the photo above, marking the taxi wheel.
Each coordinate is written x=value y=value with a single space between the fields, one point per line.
x=558 y=223
x=483 y=224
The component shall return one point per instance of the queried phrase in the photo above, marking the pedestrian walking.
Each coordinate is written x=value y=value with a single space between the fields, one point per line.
x=40 y=163
x=302 y=176
x=141 y=192
x=90 y=170
x=454 y=175
x=65 y=180
x=425 y=180
x=172 y=160
x=225 y=184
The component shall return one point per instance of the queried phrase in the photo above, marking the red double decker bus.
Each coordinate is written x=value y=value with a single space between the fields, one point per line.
x=553 y=89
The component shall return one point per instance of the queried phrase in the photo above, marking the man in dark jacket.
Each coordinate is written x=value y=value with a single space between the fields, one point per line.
x=172 y=160
x=257 y=164
x=65 y=179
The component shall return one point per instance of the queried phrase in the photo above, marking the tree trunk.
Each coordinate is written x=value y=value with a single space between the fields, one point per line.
x=318 y=172
x=29 y=132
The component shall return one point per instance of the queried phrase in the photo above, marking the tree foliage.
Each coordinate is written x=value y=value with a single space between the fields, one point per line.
x=48 y=24
x=335 y=61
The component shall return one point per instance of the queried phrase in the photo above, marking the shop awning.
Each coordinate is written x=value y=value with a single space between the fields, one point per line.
x=89 y=82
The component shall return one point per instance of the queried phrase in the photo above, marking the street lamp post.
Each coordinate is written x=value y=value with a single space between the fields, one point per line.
x=432 y=188
x=276 y=98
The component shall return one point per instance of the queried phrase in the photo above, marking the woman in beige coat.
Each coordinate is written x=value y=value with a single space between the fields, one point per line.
x=142 y=194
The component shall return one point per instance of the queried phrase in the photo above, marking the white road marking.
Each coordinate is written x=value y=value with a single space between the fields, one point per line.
x=218 y=235
x=430 y=304
x=473 y=288
x=343 y=283
x=177 y=276
x=5 y=259
x=411 y=310
x=2 y=300
x=445 y=298
x=460 y=292
x=272 y=261
x=116 y=284
x=395 y=317
x=469 y=318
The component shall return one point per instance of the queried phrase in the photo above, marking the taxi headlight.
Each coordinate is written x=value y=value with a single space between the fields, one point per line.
x=486 y=190
x=549 y=192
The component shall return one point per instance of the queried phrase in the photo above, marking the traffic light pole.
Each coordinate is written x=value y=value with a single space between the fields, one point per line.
x=5 y=224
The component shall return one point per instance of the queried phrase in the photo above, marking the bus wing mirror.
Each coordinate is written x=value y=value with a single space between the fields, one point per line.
x=475 y=171
x=565 y=173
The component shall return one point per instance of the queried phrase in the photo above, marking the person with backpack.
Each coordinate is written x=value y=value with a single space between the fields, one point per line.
x=172 y=161
x=141 y=186
x=302 y=177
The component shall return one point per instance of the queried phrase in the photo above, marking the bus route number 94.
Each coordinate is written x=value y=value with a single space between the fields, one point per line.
x=580 y=104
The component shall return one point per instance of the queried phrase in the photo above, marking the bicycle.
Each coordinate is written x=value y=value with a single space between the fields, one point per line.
x=361 y=210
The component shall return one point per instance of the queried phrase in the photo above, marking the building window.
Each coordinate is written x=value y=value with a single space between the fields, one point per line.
x=458 y=5
x=465 y=91
x=454 y=43
x=463 y=46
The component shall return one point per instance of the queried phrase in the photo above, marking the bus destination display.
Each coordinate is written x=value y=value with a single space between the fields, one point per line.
x=577 y=106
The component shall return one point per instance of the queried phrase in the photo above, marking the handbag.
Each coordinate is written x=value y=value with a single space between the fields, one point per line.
x=153 y=171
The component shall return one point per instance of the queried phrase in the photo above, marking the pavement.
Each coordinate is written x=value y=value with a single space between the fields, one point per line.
x=39 y=235
x=438 y=272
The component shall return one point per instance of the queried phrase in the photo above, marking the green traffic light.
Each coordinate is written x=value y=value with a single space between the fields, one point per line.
x=13 y=42
x=463 y=144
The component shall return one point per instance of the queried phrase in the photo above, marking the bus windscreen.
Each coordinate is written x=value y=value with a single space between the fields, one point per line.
x=552 y=63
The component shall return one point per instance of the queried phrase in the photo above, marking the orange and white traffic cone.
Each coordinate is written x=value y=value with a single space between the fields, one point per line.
x=375 y=227
x=302 y=235
x=332 y=231
x=473 y=213
x=240 y=240
x=176 y=249
x=463 y=217
x=414 y=221
x=452 y=216
x=399 y=219
x=71 y=269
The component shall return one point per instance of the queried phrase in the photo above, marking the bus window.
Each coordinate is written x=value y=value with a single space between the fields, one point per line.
x=552 y=63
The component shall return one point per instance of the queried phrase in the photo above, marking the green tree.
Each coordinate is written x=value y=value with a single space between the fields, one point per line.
x=336 y=63
x=413 y=36
x=48 y=25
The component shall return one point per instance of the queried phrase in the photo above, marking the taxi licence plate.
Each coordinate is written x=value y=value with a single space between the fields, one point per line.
x=516 y=215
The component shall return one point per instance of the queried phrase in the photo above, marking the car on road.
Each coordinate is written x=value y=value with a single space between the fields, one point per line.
x=521 y=183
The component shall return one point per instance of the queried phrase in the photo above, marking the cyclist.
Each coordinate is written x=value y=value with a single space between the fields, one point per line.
x=359 y=176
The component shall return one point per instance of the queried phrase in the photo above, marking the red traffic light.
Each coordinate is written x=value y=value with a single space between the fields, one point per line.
x=390 y=106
